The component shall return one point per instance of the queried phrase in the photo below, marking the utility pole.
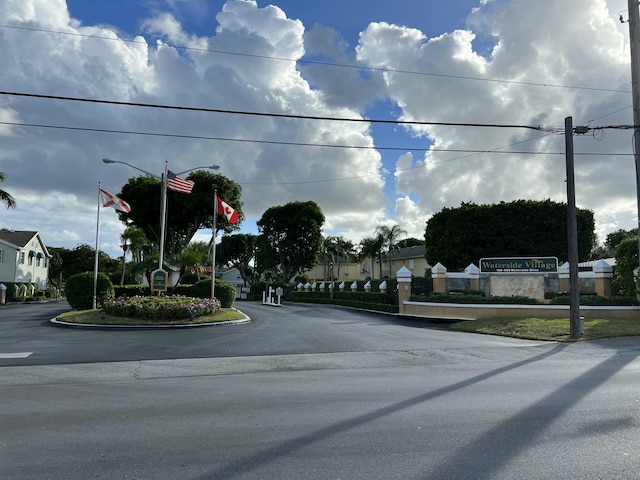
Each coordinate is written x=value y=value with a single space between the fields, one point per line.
x=572 y=235
x=634 y=42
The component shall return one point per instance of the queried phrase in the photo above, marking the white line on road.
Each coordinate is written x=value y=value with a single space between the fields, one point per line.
x=15 y=355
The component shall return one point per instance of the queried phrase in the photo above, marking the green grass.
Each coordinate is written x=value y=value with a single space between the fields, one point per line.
x=96 y=317
x=555 y=329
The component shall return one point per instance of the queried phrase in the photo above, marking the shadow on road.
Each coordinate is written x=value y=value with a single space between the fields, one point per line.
x=266 y=456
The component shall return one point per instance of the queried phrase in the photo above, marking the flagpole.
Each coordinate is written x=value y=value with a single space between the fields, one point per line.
x=163 y=210
x=95 y=262
x=213 y=244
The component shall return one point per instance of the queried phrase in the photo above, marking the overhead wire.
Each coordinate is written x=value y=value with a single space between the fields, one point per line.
x=471 y=152
x=317 y=62
x=270 y=115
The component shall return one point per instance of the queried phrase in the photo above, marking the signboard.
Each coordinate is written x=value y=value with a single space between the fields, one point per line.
x=158 y=281
x=519 y=265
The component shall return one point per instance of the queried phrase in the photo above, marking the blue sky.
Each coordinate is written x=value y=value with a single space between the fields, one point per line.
x=498 y=62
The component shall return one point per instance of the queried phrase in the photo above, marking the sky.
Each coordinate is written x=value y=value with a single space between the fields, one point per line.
x=521 y=67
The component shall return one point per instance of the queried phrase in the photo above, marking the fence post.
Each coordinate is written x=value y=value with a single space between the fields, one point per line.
x=439 y=275
x=563 y=277
x=404 y=287
x=603 y=273
x=474 y=276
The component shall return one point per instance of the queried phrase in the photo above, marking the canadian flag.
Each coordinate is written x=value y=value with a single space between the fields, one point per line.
x=227 y=211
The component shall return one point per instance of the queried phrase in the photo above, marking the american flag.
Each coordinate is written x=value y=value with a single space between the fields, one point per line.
x=177 y=184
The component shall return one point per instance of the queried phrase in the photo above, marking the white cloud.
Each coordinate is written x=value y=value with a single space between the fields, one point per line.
x=45 y=161
x=552 y=43
x=569 y=43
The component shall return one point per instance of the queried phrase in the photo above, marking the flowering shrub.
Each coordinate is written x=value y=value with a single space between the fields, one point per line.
x=161 y=308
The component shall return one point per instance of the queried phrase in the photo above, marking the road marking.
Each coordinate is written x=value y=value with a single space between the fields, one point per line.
x=15 y=355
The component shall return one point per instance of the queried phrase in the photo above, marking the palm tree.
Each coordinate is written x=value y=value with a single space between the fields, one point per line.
x=372 y=247
x=135 y=238
x=5 y=198
x=391 y=236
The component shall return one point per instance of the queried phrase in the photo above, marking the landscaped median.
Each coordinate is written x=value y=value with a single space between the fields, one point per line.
x=523 y=317
x=553 y=329
x=153 y=312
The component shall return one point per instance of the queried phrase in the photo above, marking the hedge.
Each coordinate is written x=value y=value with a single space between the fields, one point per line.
x=79 y=290
x=224 y=291
x=473 y=298
x=597 y=301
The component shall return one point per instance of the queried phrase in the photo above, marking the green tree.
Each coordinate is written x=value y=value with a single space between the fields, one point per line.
x=189 y=260
x=336 y=250
x=391 y=235
x=55 y=265
x=5 y=198
x=372 y=247
x=134 y=240
x=186 y=213
x=293 y=235
x=238 y=251
x=459 y=236
x=82 y=259
x=409 y=242
x=626 y=253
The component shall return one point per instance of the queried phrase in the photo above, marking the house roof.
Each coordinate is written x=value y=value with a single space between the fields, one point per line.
x=417 y=251
x=17 y=238
x=20 y=238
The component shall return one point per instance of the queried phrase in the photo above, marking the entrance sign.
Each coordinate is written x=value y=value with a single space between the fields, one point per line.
x=519 y=265
x=158 y=281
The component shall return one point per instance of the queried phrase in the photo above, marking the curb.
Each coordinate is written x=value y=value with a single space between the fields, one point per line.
x=58 y=323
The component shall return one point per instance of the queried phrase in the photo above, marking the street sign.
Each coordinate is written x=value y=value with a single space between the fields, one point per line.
x=159 y=281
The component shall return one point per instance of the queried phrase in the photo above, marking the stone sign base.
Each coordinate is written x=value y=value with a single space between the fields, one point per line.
x=531 y=286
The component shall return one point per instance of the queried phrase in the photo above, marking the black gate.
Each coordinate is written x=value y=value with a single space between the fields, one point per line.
x=421 y=285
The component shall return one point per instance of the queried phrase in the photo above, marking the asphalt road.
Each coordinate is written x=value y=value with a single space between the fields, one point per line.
x=293 y=329
x=312 y=392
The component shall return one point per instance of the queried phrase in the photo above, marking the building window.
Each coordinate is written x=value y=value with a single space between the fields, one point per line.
x=411 y=265
x=1 y=256
x=22 y=258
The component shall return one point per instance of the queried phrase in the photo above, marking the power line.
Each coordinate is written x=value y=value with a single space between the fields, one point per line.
x=328 y=64
x=242 y=140
x=273 y=115
x=304 y=144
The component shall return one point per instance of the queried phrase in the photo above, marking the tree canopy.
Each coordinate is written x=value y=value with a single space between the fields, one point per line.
x=238 y=251
x=391 y=236
x=292 y=237
x=66 y=263
x=5 y=197
x=186 y=213
x=459 y=236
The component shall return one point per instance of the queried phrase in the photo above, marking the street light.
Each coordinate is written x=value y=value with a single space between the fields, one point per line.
x=210 y=167
x=163 y=197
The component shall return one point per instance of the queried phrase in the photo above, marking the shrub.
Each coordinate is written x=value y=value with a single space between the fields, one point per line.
x=185 y=290
x=189 y=279
x=131 y=290
x=596 y=301
x=474 y=298
x=79 y=290
x=224 y=291
x=161 y=308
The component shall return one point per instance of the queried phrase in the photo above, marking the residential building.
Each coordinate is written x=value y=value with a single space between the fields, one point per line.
x=411 y=257
x=23 y=258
